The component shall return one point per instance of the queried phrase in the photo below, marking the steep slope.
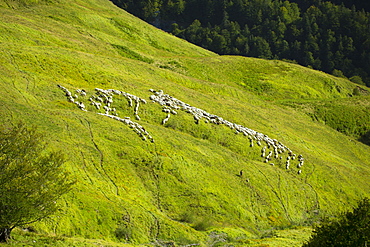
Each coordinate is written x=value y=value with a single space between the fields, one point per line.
x=186 y=185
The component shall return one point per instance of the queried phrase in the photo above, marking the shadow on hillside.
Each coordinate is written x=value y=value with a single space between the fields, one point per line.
x=365 y=139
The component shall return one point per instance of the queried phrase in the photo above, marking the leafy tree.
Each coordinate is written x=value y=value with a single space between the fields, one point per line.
x=31 y=181
x=260 y=48
x=349 y=229
x=325 y=35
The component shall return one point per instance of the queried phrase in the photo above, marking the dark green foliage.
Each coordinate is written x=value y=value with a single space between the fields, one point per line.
x=348 y=229
x=199 y=223
x=357 y=79
x=123 y=233
x=30 y=181
x=338 y=73
x=365 y=138
x=319 y=34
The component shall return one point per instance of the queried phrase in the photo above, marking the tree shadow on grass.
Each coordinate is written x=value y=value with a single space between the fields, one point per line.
x=365 y=138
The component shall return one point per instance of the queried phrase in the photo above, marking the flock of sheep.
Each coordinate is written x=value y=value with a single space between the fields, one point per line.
x=171 y=105
x=103 y=99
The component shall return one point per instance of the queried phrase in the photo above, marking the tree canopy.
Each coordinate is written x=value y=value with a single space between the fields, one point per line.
x=351 y=228
x=31 y=180
x=324 y=35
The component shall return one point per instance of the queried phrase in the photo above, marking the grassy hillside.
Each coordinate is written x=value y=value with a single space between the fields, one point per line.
x=185 y=187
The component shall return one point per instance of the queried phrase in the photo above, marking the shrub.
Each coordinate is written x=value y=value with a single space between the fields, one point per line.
x=338 y=73
x=357 y=79
x=348 y=229
x=123 y=233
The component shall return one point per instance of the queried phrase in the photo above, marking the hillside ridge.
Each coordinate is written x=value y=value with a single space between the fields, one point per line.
x=197 y=184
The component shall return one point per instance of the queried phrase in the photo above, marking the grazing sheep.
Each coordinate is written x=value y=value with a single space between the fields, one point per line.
x=263 y=151
x=136 y=109
x=80 y=105
x=287 y=164
x=268 y=157
x=137 y=128
x=300 y=164
x=164 y=121
x=171 y=104
x=97 y=105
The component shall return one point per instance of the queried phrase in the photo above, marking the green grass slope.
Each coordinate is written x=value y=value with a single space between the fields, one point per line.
x=183 y=188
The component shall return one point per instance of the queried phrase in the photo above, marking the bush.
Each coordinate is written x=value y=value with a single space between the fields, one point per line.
x=123 y=233
x=338 y=73
x=348 y=229
x=357 y=79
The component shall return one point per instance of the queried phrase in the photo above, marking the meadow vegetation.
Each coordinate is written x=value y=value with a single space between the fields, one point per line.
x=183 y=188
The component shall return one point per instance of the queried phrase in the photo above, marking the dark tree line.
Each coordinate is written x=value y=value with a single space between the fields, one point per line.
x=330 y=36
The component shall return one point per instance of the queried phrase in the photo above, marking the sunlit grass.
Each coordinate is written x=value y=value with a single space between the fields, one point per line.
x=184 y=186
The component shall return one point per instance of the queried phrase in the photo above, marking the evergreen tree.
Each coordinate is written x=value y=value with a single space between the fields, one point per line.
x=335 y=33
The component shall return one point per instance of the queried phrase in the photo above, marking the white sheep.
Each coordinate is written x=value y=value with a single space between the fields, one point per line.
x=300 y=164
x=268 y=157
x=164 y=121
x=263 y=151
x=170 y=104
